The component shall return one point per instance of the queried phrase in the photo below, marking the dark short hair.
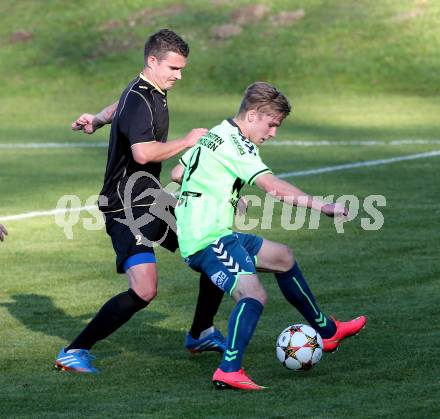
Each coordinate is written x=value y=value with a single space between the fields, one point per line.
x=165 y=41
x=265 y=98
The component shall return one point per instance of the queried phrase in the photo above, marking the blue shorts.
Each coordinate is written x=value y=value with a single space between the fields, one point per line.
x=227 y=258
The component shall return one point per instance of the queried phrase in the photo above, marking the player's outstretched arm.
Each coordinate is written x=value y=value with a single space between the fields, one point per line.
x=3 y=232
x=89 y=123
x=155 y=151
x=294 y=196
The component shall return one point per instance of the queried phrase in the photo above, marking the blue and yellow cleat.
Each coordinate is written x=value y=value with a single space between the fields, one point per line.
x=75 y=360
x=214 y=341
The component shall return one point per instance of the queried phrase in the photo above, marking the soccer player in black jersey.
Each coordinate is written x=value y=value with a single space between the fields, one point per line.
x=131 y=193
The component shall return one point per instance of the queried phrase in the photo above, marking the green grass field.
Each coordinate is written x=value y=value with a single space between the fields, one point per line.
x=354 y=72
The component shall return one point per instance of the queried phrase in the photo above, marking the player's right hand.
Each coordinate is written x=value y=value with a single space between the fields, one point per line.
x=194 y=135
x=335 y=210
x=3 y=232
x=84 y=123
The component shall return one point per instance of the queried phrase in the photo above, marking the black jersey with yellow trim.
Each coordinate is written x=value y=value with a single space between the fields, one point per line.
x=141 y=117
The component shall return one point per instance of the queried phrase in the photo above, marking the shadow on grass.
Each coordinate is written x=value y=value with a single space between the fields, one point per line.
x=39 y=314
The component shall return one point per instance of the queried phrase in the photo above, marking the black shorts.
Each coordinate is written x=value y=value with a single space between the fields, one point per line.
x=129 y=240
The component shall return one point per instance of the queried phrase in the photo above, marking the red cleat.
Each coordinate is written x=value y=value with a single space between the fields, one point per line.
x=344 y=330
x=237 y=380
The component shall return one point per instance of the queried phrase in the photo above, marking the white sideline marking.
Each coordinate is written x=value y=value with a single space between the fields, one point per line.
x=319 y=170
x=320 y=143
x=52 y=145
x=43 y=213
x=359 y=164
x=298 y=143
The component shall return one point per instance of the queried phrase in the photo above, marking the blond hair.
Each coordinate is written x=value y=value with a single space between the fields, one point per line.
x=265 y=98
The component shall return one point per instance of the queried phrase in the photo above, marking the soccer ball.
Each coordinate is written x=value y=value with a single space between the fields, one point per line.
x=299 y=347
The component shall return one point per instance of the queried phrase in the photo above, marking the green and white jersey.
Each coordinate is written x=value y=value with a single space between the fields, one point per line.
x=216 y=168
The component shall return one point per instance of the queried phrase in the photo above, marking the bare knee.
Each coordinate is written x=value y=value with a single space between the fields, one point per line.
x=147 y=294
x=260 y=296
x=143 y=281
x=286 y=258
x=250 y=290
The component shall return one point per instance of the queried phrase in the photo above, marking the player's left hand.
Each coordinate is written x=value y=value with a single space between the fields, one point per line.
x=3 y=232
x=335 y=210
x=242 y=205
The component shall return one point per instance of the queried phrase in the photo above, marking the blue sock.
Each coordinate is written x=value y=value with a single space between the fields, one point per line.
x=241 y=326
x=294 y=287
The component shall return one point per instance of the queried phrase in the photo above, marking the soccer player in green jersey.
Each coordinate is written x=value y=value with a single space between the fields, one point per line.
x=212 y=174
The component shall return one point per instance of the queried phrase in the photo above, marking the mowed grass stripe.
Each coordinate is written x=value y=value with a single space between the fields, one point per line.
x=275 y=143
x=309 y=172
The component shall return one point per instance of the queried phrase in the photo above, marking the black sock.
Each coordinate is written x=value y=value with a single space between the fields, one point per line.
x=208 y=302
x=113 y=314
